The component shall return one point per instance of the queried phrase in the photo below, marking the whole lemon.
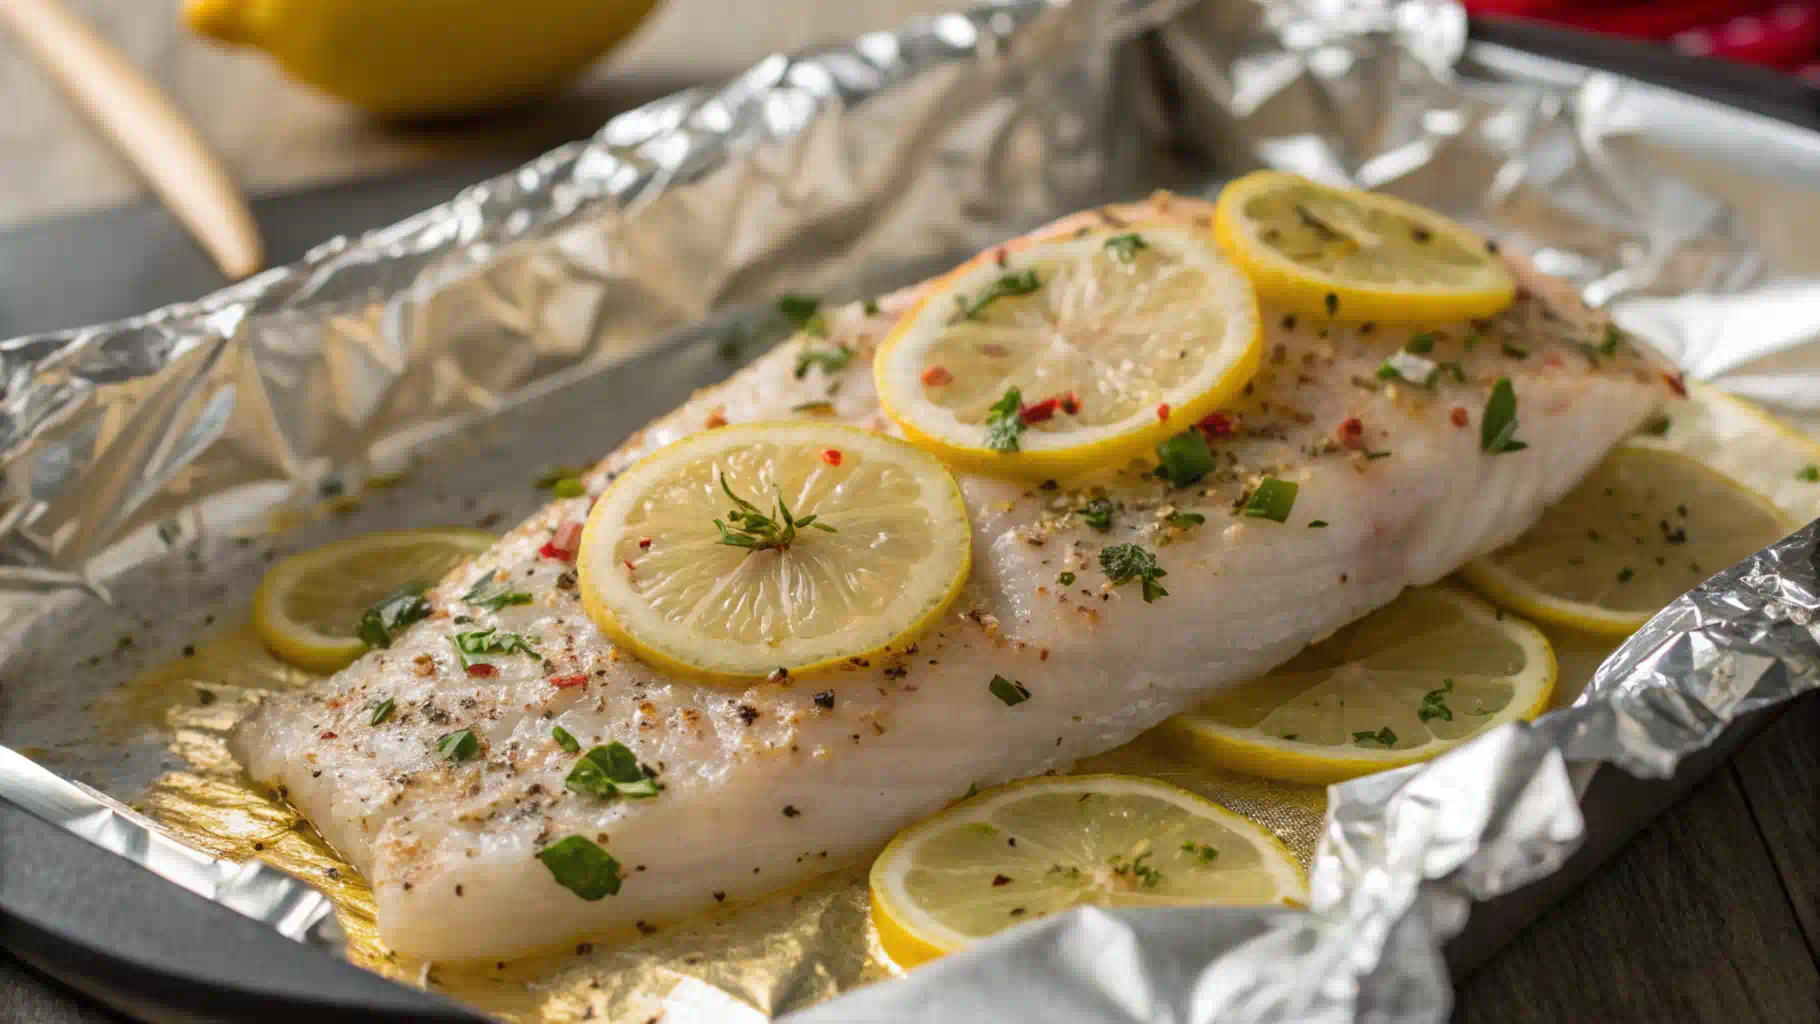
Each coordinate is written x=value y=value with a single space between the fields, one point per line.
x=424 y=58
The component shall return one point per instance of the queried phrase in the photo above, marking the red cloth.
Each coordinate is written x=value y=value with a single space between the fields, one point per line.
x=1785 y=35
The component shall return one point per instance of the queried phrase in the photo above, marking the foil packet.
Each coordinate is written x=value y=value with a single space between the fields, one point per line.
x=152 y=467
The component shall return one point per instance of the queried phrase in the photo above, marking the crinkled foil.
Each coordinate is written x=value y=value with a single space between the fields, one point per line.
x=421 y=375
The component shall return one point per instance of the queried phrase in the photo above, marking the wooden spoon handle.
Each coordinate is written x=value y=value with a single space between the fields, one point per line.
x=145 y=126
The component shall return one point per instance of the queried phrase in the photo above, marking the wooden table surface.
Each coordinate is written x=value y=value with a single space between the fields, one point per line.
x=1711 y=914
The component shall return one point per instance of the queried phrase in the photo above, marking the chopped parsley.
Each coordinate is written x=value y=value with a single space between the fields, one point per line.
x=1421 y=344
x=565 y=740
x=1273 y=500
x=805 y=314
x=1375 y=456
x=610 y=771
x=1455 y=369
x=1124 y=248
x=1098 y=514
x=1203 y=852
x=818 y=407
x=492 y=593
x=1010 y=691
x=388 y=617
x=1317 y=524
x=1626 y=574
x=1809 y=473
x=1383 y=737
x=755 y=531
x=459 y=745
x=1146 y=876
x=1498 y=430
x=1185 y=520
x=1609 y=344
x=555 y=475
x=1022 y=282
x=1434 y=703
x=475 y=644
x=1658 y=426
x=1411 y=368
x=1514 y=351
x=831 y=361
x=579 y=865
x=870 y=307
x=1005 y=421
x=569 y=487
x=1066 y=579
x=1186 y=458
x=382 y=711
x=1123 y=563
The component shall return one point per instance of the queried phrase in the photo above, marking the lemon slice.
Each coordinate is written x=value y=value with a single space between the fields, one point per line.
x=1421 y=675
x=1052 y=355
x=309 y=606
x=1043 y=846
x=768 y=550
x=1735 y=437
x=1356 y=256
x=1648 y=525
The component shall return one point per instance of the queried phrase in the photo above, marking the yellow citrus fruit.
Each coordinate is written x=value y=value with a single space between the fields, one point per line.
x=1418 y=677
x=739 y=552
x=1733 y=436
x=1356 y=256
x=1070 y=352
x=418 y=58
x=1042 y=846
x=309 y=606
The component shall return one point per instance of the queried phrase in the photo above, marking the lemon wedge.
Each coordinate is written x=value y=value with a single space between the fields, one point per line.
x=1053 y=355
x=1419 y=676
x=1648 y=525
x=1356 y=256
x=769 y=550
x=1043 y=846
x=309 y=607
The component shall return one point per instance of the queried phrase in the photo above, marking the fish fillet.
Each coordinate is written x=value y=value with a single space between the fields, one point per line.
x=763 y=787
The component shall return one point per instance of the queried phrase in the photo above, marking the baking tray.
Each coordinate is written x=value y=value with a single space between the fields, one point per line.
x=106 y=927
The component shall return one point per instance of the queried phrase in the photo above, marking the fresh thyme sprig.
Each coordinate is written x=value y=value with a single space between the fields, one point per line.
x=755 y=531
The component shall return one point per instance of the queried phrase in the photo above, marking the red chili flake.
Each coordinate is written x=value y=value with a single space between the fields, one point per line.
x=1351 y=433
x=482 y=669
x=644 y=543
x=569 y=682
x=831 y=456
x=1216 y=424
x=1458 y=416
x=1071 y=403
x=563 y=543
x=1039 y=411
x=1162 y=412
x=1675 y=384
x=326 y=736
x=1552 y=360
x=1000 y=256
x=936 y=376
x=628 y=564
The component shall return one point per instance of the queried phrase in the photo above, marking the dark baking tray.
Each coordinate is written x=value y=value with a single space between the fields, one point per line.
x=104 y=926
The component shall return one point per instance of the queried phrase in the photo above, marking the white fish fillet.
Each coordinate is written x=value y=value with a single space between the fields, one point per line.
x=765 y=788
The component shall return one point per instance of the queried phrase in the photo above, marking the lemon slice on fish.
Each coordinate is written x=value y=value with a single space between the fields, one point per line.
x=309 y=608
x=1043 y=846
x=1742 y=441
x=1053 y=355
x=1356 y=256
x=1648 y=525
x=768 y=550
x=1419 y=676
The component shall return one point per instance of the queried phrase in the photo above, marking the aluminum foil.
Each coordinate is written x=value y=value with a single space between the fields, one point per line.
x=157 y=464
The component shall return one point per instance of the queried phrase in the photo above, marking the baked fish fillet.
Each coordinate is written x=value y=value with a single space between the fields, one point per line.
x=764 y=787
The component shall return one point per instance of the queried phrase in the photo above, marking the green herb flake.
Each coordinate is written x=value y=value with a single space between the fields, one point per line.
x=555 y=475
x=1010 y=691
x=1273 y=500
x=1005 y=421
x=1146 y=875
x=820 y=407
x=1498 y=429
x=610 y=771
x=1421 y=344
x=805 y=314
x=1608 y=345
x=1810 y=473
x=569 y=487
x=382 y=711
x=564 y=740
x=1317 y=524
x=492 y=593
x=579 y=865
x=1098 y=514
x=1185 y=520
x=1375 y=456
x=1202 y=852
x=388 y=617
x=1186 y=458
x=756 y=531
x=831 y=361
x=459 y=745
x=1383 y=737
x=475 y=644
x=1626 y=574
x=1066 y=579
x=1124 y=248
x=870 y=307
x=1434 y=703
x=1123 y=563
x=1658 y=427
x=1022 y=282
x=1514 y=351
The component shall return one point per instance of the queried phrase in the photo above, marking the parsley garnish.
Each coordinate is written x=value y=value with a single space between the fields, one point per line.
x=383 y=711
x=457 y=746
x=388 y=617
x=1066 y=579
x=832 y=361
x=1514 y=351
x=579 y=865
x=1185 y=458
x=756 y=531
x=1421 y=344
x=1659 y=425
x=1272 y=500
x=804 y=313
x=818 y=407
x=1498 y=430
x=1609 y=345
x=1434 y=703
x=1010 y=691
x=1456 y=369
x=1202 y=852
x=1125 y=248
x=1317 y=524
x=564 y=740
x=569 y=487
x=1626 y=574
x=609 y=771
x=556 y=475
x=1375 y=456
x=1021 y=283
x=1098 y=514
x=1146 y=875
x=1005 y=421
x=870 y=307
x=1123 y=563
x=487 y=641
x=1411 y=368
x=493 y=595
x=1383 y=737
x=1185 y=520
x=1809 y=473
